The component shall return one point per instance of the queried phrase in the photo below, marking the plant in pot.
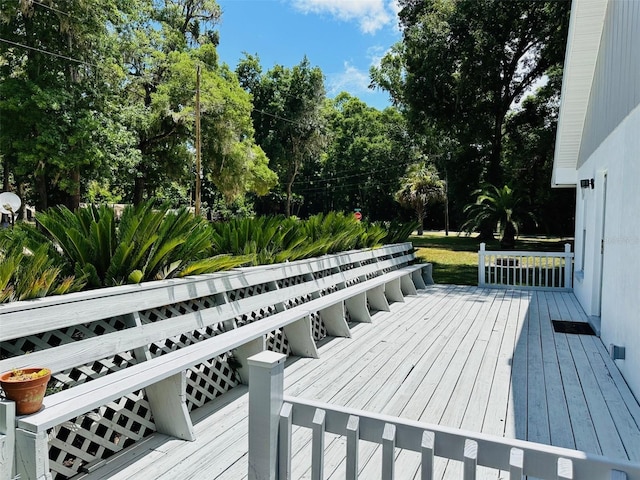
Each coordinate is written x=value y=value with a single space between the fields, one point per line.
x=26 y=387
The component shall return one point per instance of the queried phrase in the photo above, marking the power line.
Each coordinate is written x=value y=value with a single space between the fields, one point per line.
x=15 y=44
x=278 y=117
x=51 y=8
x=332 y=179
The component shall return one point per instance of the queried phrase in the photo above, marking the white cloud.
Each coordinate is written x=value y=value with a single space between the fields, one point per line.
x=351 y=80
x=371 y=14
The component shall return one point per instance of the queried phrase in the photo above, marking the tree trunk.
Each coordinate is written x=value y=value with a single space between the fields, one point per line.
x=421 y=216
x=5 y=177
x=138 y=190
x=73 y=201
x=41 y=191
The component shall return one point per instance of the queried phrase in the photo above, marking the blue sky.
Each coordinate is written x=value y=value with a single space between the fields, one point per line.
x=342 y=37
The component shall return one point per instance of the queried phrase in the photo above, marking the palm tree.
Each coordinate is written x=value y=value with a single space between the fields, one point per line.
x=420 y=187
x=497 y=207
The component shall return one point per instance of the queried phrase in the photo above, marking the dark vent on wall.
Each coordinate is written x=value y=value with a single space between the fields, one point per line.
x=578 y=328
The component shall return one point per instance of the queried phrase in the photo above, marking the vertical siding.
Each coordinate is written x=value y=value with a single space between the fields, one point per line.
x=616 y=84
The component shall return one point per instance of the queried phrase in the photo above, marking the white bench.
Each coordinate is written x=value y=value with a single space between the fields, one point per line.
x=163 y=377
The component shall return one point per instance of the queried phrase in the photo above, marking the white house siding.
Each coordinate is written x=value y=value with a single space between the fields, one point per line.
x=618 y=156
x=616 y=84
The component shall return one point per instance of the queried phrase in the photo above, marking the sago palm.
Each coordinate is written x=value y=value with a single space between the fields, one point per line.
x=498 y=207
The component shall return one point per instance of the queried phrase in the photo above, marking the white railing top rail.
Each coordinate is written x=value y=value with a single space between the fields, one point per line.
x=272 y=414
x=524 y=253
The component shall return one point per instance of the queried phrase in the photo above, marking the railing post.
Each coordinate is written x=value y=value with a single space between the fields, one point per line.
x=568 y=267
x=266 y=387
x=481 y=264
x=7 y=439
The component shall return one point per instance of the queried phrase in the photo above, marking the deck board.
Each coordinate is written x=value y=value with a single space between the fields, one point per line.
x=481 y=360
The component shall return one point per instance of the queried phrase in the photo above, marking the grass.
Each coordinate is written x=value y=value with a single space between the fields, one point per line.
x=455 y=257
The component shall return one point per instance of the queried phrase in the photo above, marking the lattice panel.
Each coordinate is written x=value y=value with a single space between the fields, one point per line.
x=54 y=338
x=256 y=315
x=184 y=340
x=348 y=266
x=329 y=290
x=277 y=342
x=293 y=302
x=85 y=373
x=287 y=282
x=209 y=380
x=247 y=292
x=99 y=434
x=322 y=274
x=175 y=310
x=318 y=328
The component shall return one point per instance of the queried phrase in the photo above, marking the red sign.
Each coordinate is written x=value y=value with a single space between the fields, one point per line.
x=358 y=216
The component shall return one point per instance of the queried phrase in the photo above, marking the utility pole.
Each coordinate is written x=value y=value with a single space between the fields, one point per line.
x=198 y=167
x=446 y=204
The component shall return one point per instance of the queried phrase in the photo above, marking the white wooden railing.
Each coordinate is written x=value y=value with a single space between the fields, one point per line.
x=544 y=270
x=272 y=415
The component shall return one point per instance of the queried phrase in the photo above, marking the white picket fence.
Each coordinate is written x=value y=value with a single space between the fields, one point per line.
x=272 y=415
x=540 y=270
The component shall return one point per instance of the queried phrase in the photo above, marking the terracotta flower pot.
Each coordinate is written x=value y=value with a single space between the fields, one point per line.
x=26 y=389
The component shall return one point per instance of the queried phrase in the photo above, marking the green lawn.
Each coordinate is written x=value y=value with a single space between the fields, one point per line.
x=455 y=257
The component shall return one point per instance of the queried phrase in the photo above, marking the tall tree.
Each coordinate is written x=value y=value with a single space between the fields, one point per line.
x=528 y=152
x=463 y=63
x=53 y=75
x=288 y=115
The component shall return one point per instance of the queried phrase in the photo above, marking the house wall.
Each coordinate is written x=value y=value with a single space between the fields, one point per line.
x=617 y=215
x=616 y=84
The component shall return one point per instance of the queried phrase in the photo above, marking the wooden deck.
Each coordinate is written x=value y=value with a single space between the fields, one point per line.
x=476 y=359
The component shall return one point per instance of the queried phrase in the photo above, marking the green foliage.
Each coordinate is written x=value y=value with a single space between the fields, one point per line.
x=147 y=244
x=461 y=67
x=497 y=207
x=32 y=274
x=277 y=239
x=366 y=156
x=287 y=115
x=398 y=232
x=420 y=187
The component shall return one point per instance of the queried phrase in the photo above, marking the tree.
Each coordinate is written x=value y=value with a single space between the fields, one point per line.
x=529 y=146
x=287 y=116
x=461 y=66
x=360 y=167
x=420 y=187
x=498 y=207
x=54 y=73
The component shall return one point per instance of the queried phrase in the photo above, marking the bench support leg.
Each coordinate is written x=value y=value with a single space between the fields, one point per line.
x=32 y=455
x=407 y=286
x=300 y=338
x=377 y=300
x=333 y=318
x=393 y=290
x=357 y=307
x=427 y=274
x=243 y=352
x=7 y=439
x=418 y=281
x=167 y=400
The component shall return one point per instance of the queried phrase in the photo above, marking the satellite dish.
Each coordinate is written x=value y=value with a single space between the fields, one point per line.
x=9 y=203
